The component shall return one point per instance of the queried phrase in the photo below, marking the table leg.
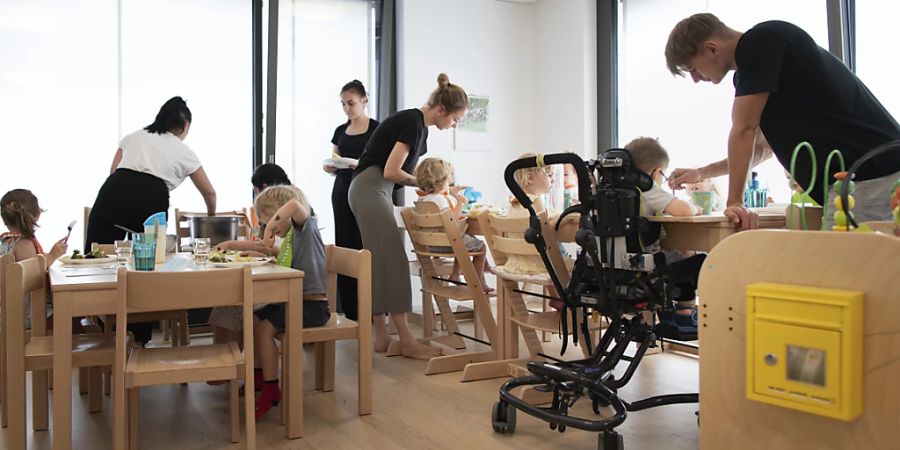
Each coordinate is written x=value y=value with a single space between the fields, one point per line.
x=294 y=360
x=62 y=372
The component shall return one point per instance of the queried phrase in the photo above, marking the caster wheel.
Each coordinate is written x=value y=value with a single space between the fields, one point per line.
x=552 y=426
x=610 y=440
x=562 y=429
x=503 y=418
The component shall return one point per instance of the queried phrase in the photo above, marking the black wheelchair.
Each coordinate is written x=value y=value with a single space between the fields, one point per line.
x=612 y=277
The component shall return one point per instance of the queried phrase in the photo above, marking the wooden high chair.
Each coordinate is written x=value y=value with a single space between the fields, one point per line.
x=34 y=353
x=428 y=227
x=504 y=238
x=138 y=367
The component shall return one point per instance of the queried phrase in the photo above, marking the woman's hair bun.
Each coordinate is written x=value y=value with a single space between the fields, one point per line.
x=443 y=80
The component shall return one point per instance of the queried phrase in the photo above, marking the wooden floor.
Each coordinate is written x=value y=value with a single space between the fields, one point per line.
x=411 y=411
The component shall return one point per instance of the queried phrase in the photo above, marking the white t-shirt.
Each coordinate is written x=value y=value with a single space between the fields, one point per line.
x=161 y=155
x=441 y=200
x=655 y=200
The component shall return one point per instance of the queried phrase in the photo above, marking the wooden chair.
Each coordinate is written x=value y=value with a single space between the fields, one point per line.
x=138 y=367
x=504 y=238
x=34 y=353
x=355 y=264
x=428 y=227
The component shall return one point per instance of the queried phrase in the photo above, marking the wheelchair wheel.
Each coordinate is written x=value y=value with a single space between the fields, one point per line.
x=503 y=418
x=610 y=440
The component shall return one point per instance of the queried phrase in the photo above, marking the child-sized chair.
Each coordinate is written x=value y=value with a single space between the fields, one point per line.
x=138 y=367
x=34 y=352
x=428 y=228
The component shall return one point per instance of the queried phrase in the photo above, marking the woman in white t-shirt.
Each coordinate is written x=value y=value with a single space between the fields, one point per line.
x=148 y=164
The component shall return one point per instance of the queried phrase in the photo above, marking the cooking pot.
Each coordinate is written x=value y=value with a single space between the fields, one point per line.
x=217 y=228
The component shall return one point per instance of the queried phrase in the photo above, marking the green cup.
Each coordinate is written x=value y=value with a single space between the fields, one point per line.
x=144 y=250
x=704 y=200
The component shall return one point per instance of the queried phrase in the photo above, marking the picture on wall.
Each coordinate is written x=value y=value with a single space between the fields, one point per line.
x=472 y=132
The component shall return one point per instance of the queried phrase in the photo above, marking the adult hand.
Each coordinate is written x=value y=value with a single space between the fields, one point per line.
x=681 y=176
x=743 y=217
x=329 y=168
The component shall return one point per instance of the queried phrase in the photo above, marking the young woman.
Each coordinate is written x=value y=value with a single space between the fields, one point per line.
x=387 y=164
x=148 y=164
x=349 y=141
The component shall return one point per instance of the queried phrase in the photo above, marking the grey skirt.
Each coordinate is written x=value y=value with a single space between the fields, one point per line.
x=370 y=201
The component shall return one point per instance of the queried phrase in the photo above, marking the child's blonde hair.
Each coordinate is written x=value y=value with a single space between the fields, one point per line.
x=20 y=210
x=647 y=154
x=273 y=197
x=432 y=174
x=521 y=175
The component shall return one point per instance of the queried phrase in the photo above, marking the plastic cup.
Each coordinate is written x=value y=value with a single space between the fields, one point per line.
x=201 y=250
x=123 y=251
x=144 y=249
x=704 y=200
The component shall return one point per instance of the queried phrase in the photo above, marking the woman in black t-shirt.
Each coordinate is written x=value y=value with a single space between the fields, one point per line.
x=387 y=164
x=349 y=141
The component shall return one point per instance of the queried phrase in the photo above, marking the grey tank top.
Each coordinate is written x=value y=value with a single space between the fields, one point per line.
x=309 y=256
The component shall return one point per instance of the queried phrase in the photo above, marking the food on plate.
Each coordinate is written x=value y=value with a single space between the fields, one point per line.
x=218 y=257
x=76 y=254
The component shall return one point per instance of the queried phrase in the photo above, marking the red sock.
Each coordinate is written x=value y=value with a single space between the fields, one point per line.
x=271 y=395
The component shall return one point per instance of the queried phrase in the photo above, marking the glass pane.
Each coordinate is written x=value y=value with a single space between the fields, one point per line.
x=310 y=80
x=692 y=121
x=875 y=22
x=203 y=54
x=59 y=115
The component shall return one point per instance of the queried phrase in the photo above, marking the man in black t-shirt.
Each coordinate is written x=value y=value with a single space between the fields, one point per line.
x=788 y=90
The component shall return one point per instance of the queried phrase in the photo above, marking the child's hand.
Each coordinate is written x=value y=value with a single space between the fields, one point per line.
x=223 y=246
x=455 y=190
x=329 y=168
x=461 y=199
x=59 y=248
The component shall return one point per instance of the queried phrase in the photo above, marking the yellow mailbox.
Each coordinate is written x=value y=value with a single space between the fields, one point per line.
x=805 y=349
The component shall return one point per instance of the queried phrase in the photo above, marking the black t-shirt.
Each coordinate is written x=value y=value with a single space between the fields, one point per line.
x=352 y=145
x=408 y=127
x=813 y=97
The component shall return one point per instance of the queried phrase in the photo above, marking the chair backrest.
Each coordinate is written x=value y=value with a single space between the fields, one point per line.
x=108 y=249
x=183 y=226
x=354 y=264
x=427 y=228
x=505 y=236
x=164 y=291
x=23 y=278
x=87 y=218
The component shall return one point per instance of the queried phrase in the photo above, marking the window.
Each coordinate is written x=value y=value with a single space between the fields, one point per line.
x=692 y=121
x=875 y=64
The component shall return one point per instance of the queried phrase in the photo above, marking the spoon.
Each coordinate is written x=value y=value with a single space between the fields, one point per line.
x=71 y=225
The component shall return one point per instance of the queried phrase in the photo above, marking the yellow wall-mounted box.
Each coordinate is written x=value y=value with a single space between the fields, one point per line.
x=805 y=349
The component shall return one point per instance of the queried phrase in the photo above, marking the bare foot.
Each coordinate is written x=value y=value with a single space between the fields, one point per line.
x=381 y=345
x=415 y=350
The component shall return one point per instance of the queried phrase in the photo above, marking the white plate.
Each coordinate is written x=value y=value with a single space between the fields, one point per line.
x=68 y=261
x=257 y=262
x=341 y=163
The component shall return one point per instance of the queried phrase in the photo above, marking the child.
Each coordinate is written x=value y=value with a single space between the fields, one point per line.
x=433 y=177
x=20 y=212
x=651 y=158
x=536 y=182
x=287 y=214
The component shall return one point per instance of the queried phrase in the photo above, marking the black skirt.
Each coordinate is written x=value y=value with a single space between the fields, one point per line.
x=127 y=198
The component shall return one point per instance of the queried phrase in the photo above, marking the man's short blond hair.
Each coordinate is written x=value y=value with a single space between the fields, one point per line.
x=648 y=154
x=432 y=174
x=687 y=38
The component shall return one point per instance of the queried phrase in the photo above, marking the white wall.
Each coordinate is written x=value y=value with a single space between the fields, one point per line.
x=528 y=58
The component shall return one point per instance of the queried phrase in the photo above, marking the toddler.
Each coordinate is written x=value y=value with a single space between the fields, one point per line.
x=433 y=177
x=651 y=158
x=287 y=214
x=536 y=182
x=707 y=185
x=20 y=211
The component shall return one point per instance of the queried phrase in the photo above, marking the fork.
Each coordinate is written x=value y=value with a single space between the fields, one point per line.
x=71 y=225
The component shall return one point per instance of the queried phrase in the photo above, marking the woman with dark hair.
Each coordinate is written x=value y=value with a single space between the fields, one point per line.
x=266 y=175
x=148 y=164
x=386 y=165
x=349 y=141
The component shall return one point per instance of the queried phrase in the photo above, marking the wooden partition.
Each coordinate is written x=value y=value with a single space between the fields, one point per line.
x=866 y=262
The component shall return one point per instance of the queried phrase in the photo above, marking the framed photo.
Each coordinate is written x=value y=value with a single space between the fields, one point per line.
x=473 y=132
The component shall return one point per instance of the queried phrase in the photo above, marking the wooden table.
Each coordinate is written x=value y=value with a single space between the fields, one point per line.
x=92 y=292
x=702 y=233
